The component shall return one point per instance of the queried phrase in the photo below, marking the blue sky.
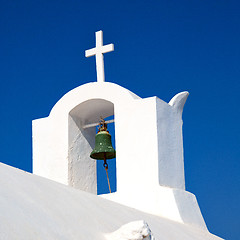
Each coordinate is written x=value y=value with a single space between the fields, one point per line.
x=161 y=48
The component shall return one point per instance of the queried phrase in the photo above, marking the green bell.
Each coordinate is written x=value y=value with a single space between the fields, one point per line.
x=103 y=145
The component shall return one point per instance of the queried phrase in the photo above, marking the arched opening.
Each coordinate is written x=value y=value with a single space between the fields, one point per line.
x=85 y=173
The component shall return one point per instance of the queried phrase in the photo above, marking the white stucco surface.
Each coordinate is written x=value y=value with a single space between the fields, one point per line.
x=136 y=230
x=61 y=147
x=148 y=141
x=33 y=207
x=175 y=204
x=148 y=137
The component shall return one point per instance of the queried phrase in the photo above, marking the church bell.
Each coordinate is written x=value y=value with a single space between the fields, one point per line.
x=103 y=145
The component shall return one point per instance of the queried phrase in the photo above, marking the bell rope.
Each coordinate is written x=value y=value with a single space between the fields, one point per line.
x=106 y=169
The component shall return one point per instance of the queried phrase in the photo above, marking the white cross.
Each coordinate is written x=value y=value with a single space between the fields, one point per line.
x=98 y=51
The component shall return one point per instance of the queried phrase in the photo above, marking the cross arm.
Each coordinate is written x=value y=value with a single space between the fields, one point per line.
x=91 y=52
x=108 y=48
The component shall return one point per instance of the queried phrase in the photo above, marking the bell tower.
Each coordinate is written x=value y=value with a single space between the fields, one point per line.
x=148 y=142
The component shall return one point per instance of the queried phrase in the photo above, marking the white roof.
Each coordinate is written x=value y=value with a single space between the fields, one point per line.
x=33 y=207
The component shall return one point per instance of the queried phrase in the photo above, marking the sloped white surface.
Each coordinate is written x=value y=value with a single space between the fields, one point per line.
x=32 y=207
x=137 y=230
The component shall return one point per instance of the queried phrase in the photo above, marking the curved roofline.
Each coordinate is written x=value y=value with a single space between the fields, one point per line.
x=93 y=90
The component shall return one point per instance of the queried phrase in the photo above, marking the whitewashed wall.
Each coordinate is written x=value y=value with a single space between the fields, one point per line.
x=148 y=141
